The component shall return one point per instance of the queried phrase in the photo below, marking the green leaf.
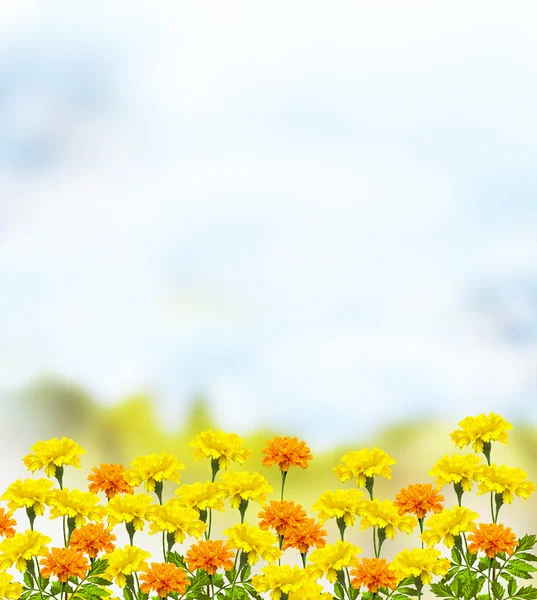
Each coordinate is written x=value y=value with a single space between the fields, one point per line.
x=127 y=594
x=55 y=588
x=442 y=590
x=247 y=570
x=497 y=590
x=28 y=580
x=526 y=556
x=511 y=588
x=527 y=593
x=526 y=542
x=338 y=589
x=99 y=581
x=471 y=558
x=98 y=567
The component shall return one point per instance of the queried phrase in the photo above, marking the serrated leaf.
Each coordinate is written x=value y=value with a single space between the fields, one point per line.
x=526 y=542
x=338 y=590
x=456 y=556
x=527 y=593
x=497 y=590
x=98 y=567
x=511 y=587
x=526 y=556
x=442 y=590
x=99 y=580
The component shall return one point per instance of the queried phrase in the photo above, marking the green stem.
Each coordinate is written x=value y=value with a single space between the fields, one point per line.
x=210 y=524
x=420 y=521
x=164 y=553
x=211 y=577
x=284 y=476
x=64 y=532
x=375 y=540
x=235 y=574
x=303 y=555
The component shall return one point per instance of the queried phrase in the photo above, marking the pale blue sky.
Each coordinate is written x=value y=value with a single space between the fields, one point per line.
x=323 y=216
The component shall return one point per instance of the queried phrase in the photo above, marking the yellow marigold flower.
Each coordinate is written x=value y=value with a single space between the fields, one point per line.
x=201 y=496
x=76 y=505
x=374 y=574
x=339 y=504
x=481 y=429
x=7 y=524
x=30 y=493
x=109 y=479
x=221 y=447
x=447 y=524
x=362 y=464
x=130 y=509
x=123 y=562
x=457 y=468
x=239 y=486
x=281 y=515
x=64 y=563
x=418 y=499
x=9 y=589
x=155 y=467
x=209 y=555
x=384 y=514
x=22 y=547
x=286 y=452
x=92 y=539
x=163 y=578
x=508 y=481
x=419 y=563
x=174 y=518
x=492 y=538
x=54 y=453
x=280 y=580
x=303 y=535
x=254 y=541
x=310 y=590
x=332 y=558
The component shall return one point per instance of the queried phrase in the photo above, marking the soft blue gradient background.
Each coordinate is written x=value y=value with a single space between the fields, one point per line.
x=324 y=215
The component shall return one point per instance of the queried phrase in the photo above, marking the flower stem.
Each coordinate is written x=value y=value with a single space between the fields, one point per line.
x=284 y=475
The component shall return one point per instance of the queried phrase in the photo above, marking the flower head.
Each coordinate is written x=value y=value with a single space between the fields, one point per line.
x=30 y=493
x=508 y=481
x=384 y=514
x=374 y=574
x=418 y=499
x=7 y=524
x=201 y=496
x=492 y=538
x=448 y=524
x=309 y=589
x=163 y=578
x=9 y=589
x=134 y=509
x=280 y=580
x=109 y=479
x=22 y=547
x=362 y=464
x=254 y=541
x=123 y=562
x=419 y=563
x=209 y=555
x=76 y=505
x=220 y=446
x=281 y=515
x=286 y=452
x=480 y=430
x=154 y=468
x=332 y=558
x=239 y=486
x=174 y=518
x=339 y=504
x=52 y=454
x=459 y=469
x=64 y=563
x=304 y=535
x=92 y=539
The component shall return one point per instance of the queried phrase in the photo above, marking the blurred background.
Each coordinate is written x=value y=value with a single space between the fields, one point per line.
x=279 y=217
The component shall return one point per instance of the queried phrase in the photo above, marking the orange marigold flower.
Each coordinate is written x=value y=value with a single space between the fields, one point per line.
x=281 y=514
x=92 y=539
x=110 y=480
x=64 y=563
x=418 y=499
x=210 y=555
x=304 y=535
x=286 y=452
x=374 y=574
x=6 y=524
x=163 y=578
x=492 y=538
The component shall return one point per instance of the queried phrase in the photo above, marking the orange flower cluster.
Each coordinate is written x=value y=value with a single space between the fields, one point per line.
x=64 y=563
x=374 y=574
x=92 y=539
x=418 y=499
x=109 y=479
x=7 y=524
x=286 y=452
x=492 y=538
x=163 y=578
x=210 y=555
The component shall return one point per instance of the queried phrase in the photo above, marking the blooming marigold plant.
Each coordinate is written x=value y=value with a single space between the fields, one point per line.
x=471 y=560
